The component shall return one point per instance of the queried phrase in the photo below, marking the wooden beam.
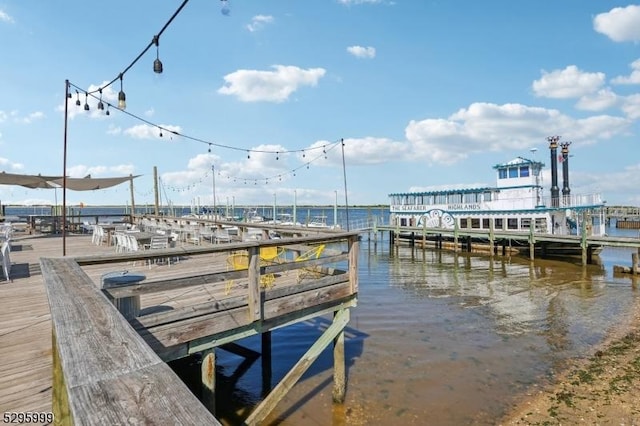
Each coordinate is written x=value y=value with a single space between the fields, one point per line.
x=269 y=403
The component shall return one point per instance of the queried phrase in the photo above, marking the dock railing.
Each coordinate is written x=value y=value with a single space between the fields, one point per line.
x=109 y=369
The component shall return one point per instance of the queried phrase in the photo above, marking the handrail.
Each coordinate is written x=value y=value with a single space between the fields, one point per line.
x=97 y=378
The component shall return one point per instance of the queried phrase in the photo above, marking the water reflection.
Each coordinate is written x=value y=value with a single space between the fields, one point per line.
x=445 y=338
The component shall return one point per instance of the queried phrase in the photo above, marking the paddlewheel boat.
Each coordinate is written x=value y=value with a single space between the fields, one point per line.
x=516 y=202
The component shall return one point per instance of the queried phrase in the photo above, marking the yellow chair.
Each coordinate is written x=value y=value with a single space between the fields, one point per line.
x=239 y=261
x=310 y=271
x=272 y=254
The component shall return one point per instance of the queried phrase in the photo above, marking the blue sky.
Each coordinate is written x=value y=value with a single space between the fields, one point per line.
x=425 y=94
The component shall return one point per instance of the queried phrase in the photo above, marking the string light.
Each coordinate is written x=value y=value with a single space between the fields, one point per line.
x=122 y=98
x=86 y=104
x=77 y=98
x=157 y=64
x=100 y=104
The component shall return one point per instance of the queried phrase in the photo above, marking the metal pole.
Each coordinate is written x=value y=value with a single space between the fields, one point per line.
x=64 y=169
x=335 y=211
x=213 y=174
x=344 y=172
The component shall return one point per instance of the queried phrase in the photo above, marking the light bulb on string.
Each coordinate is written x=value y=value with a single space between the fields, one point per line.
x=225 y=10
x=157 y=64
x=77 y=98
x=100 y=104
x=122 y=98
x=209 y=148
x=248 y=154
x=107 y=111
x=86 y=104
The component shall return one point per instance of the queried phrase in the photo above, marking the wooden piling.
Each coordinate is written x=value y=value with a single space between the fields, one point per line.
x=339 y=367
x=208 y=371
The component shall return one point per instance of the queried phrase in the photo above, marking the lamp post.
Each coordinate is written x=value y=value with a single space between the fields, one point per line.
x=213 y=176
x=64 y=169
x=335 y=211
x=295 y=205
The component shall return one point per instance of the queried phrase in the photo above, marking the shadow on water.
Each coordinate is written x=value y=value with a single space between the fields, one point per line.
x=239 y=380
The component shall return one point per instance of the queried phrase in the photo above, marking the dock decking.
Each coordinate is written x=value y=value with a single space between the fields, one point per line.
x=174 y=303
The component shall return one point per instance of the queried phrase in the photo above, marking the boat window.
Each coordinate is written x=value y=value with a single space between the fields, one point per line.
x=470 y=197
x=512 y=223
x=441 y=199
x=455 y=198
x=513 y=172
x=502 y=173
x=475 y=223
x=498 y=223
x=487 y=196
x=525 y=223
x=541 y=224
x=485 y=224
x=524 y=171
x=463 y=223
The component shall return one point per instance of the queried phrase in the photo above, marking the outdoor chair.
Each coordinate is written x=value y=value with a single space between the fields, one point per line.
x=239 y=261
x=6 y=259
x=313 y=271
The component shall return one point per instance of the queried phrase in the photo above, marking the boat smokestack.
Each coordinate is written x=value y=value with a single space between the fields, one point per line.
x=555 y=191
x=565 y=172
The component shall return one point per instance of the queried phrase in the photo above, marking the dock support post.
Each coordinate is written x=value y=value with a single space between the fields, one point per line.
x=532 y=244
x=583 y=243
x=634 y=263
x=208 y=371
x=491 y=237
x=266 y=362
x=340 y=321
x=339 y=368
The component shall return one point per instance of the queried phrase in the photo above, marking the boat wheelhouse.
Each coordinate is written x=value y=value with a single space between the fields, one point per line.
x=515 y=203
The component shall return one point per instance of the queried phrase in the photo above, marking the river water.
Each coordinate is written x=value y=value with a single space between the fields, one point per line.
x=439 y=338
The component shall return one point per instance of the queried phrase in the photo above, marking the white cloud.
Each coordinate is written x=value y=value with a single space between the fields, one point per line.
x=6 y=164
x=567 y=83
x=145 y=131
x=150 y=112
x=114 y=130
x=81 y=170
x=258 y=22
x=633 y=78
x=602 y=100
x=362 y=52
x=28 y=119
x=631 y=106
x=489 y=127
x=3 y=116
x=370 y=150
x=109 y=96
x=5 y=17
x=269 y=86
x=620 y=23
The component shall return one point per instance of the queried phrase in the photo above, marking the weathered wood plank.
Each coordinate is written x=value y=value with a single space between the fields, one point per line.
x=109 y=374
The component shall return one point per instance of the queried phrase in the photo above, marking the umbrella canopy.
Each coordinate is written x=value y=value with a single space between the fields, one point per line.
x=76 y=184
x=28 y=181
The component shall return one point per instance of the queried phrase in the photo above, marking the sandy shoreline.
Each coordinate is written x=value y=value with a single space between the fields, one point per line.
x=601 y=389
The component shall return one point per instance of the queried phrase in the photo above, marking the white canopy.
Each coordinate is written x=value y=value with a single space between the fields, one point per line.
x=76 y=184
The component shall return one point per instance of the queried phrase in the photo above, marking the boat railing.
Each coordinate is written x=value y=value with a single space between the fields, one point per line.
x=577 y=200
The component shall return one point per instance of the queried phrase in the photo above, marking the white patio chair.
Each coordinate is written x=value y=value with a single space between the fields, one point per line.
x=6 y=259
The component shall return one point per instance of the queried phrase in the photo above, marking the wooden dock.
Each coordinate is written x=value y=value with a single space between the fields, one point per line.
x=190 y=302
x=496 y=241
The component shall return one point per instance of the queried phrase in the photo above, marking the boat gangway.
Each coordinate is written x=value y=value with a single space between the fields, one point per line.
x=111 y=340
